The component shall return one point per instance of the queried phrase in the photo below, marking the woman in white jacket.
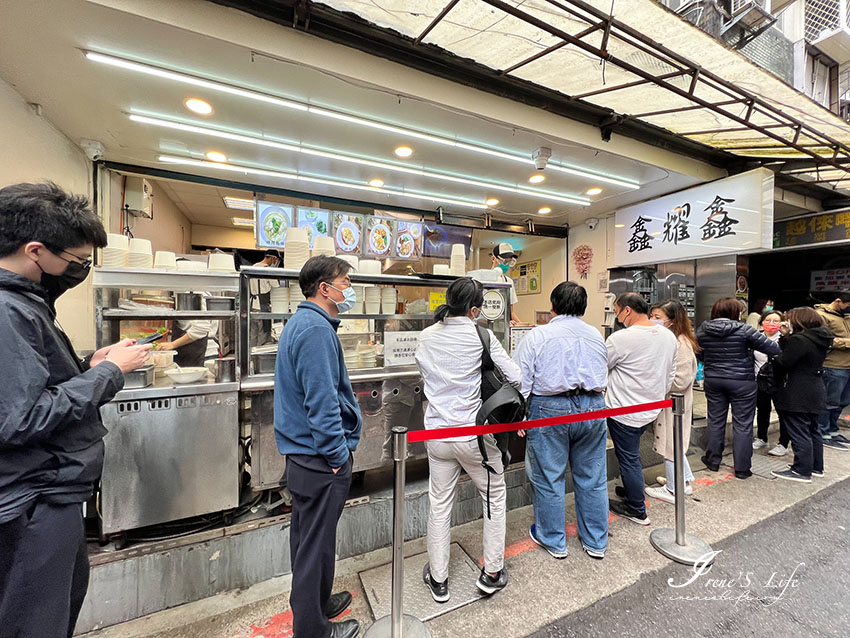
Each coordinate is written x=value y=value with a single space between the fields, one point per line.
x=673 y=315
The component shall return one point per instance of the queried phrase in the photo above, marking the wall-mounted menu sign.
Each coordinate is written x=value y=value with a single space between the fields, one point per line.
x=400 y=348
x=812 y=230
x=272 y=220
x=378 y=241
x=731 y=215
x=408 y=240
x=316 y=221
x=837 y=279
x=348 y=232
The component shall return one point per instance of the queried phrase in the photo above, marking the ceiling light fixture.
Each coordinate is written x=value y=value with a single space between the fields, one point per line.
x=222 y=87
x=216 y=156
x=537 y=178
x=492 y=202
x=238 y=203
x=593 y=191
x=262 y=141
x=619 y=225
x=376 y=183
x=544 y=211
x=250 y=170
x=403 y=151
x=197 y=105
x=242 y=222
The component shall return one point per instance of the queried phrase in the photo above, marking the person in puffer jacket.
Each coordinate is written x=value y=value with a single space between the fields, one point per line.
x=727 y=354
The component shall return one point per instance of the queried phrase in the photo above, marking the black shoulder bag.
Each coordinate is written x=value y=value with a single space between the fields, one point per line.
x=500 y=403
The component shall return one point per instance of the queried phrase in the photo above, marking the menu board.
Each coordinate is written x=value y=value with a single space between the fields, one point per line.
x=316 y=221
x=408 y=240
x=378 y=240
x=438 y=240
x=527 y=278
x=348 y=233
x=272 y=220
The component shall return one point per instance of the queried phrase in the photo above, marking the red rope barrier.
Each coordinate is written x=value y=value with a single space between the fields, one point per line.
x=470 y=430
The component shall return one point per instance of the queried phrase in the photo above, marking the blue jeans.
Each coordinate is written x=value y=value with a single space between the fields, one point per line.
x=627 y=448
x=837 y=382
x=547 y=454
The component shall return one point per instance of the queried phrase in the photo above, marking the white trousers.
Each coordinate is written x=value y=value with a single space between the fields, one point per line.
x=445 y=459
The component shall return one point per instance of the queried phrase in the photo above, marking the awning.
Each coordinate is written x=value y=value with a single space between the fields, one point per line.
x=646 y=63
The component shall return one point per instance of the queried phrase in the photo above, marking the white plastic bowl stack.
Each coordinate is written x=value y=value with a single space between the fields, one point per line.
x=441 y=269
x=324 y=246
x=221 y=262
x=389 y=299
x=165 y=260
x=280 y=300
x=117 y=251
x=141 y=253
x=295 y=296
x=351 y=359
x=297 y=250
x=373 y=300
x=367 y=358
x=360 y=291
x=458 y=262
x=353 y=260
x=191 y=265
x=370 y=267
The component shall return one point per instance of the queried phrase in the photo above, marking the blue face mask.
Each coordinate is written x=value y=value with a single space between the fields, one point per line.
x=349 y=299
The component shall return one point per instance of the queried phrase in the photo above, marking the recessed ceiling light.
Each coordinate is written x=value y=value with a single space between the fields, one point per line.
x=199 y=106
x=492 y=202
x=403 y=151
x=216 y=156
x=242 y=222
x=544 y=211
x=537 y=178
x=619 y=225
x=593 y=191
x=377 y=183
x=220 y=87
x=239 y=203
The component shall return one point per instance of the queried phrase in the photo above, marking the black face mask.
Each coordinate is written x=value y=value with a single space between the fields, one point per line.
x=56 y=285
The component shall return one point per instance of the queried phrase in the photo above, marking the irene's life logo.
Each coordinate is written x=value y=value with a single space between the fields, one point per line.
x=739 y=587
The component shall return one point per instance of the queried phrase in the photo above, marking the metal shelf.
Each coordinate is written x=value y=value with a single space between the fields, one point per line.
x=274 y=315
x=153 y=279
x=261 y=382
x=126 y=315
x=357 y=278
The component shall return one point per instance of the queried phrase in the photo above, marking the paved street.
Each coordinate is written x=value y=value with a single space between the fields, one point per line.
x=785 y=576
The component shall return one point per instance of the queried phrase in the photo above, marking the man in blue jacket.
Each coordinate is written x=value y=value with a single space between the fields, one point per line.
x=317 y=425
x=51 y=447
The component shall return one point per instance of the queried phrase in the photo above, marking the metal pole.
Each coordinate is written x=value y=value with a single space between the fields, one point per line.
x=400 y=458
x=677 y=544
x=397 y=624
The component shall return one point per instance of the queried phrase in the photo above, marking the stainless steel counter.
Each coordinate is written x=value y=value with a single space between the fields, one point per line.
x=165 y=388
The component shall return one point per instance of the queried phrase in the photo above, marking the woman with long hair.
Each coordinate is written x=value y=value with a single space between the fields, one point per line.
x=801 y=394
x=727 y=353
x=769 y=324
x=449 y=358
x=673 y=315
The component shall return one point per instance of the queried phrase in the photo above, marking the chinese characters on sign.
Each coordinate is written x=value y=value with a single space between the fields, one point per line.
x=494 y=305
x=400 y=348
x=812 y=230
x=527 y=278
x=719 y=223
x=676 y=226
x=640 y=238
x=836 y=279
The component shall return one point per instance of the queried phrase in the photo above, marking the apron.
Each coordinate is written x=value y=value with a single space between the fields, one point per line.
x=191 y=355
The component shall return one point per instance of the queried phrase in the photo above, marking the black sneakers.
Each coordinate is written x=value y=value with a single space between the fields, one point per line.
x=490 y=585
x=791 y=475
x=623 y=510
x=439 y=591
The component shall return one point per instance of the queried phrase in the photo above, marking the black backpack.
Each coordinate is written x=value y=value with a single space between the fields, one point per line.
x=766 y=378
x=500 y=403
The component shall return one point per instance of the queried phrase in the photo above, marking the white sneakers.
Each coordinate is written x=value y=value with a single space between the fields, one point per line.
x=759 y=444
x=662 y=480
x=779 y=450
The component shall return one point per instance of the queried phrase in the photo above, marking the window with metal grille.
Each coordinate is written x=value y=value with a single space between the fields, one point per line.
x=823 y=16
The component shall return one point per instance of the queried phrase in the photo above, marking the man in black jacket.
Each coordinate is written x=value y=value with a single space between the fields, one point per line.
x=51 y=448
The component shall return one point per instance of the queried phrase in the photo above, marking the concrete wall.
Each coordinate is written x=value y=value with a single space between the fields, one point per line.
x=32 y=150
x=168 y=230
x=601 y=240
x=221 y=237
x=552 y=254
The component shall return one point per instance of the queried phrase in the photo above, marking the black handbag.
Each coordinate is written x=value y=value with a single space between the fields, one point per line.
x=500 y=403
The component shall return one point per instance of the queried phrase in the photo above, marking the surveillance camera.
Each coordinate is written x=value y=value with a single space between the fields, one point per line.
x=93 y=149
x=592 y=223
x=541 y=157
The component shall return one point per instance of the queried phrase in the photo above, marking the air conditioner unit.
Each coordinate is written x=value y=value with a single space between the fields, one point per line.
x=137 y=197
x=750 y=14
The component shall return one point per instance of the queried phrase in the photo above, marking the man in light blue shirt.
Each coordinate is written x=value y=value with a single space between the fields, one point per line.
x=564 y=368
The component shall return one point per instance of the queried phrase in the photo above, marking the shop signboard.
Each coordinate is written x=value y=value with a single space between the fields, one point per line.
x=272 y=221
x=316 y=221
x=408 y=240
x=494 y=305
x=728 y=216
x=348 y=233
x=829 y=227
x=438 y=240
x=378 y=239
x=436 y=299
x=837 y=279
x=400 y=348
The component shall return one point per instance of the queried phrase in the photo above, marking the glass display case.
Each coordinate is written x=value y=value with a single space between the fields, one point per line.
x=378 y=348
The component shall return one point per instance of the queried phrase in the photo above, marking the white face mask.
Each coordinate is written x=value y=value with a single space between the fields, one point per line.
x=658 y=322
x=349 y=299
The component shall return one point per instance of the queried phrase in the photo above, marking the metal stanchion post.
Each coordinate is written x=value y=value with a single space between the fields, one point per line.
x=397 y=624
x=677 y=544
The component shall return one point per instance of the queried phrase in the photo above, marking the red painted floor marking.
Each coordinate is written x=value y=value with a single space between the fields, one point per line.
x=280 y=626
x=707 y=481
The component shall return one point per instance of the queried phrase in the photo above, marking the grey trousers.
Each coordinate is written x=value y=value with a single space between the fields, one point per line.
x=446 y=459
